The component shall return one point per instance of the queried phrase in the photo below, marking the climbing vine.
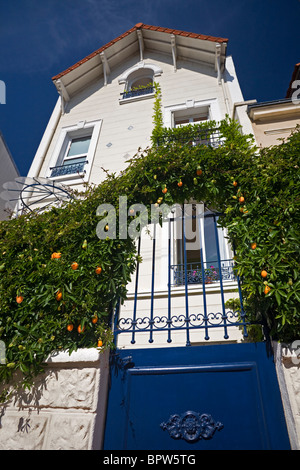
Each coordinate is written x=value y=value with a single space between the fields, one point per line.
x=60 y=282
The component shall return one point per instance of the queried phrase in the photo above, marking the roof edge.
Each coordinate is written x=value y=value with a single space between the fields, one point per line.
x=140 y=26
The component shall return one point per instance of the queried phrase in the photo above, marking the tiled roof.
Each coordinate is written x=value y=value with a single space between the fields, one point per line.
x=138 y=26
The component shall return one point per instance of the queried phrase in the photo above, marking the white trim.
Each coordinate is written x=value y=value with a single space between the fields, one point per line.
x=174 y=51
x=39 y=157
x=215 y=113
x=81 y=355
x=141 y=43
x=157 y=71
x=82 y=128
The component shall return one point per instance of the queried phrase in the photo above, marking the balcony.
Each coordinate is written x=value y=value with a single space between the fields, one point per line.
x=180 y=303
x=135 y=93
x=68 y=169
x=192 y=137
x=211 y=273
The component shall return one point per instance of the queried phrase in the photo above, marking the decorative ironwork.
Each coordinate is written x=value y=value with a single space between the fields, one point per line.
x=191 y=426
x=180 y=278
x=137 y=92
x=181 y=322
x=27 y=194
x=212 y=273
x=67 y=169
x=197 y=136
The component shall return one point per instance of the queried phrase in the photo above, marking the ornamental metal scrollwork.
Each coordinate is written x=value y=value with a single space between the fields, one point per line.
x=191 y=426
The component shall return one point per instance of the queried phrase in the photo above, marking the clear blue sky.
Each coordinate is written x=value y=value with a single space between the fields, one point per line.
x=40 y=38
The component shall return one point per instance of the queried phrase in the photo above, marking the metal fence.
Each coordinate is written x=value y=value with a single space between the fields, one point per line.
x=184 y=276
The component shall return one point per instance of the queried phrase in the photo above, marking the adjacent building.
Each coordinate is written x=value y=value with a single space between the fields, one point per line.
x=274 y=120
x=8 y=172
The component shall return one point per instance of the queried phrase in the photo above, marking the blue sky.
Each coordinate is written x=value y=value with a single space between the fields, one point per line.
x=40 y=38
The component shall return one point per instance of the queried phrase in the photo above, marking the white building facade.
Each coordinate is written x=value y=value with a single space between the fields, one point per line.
x=104 y=114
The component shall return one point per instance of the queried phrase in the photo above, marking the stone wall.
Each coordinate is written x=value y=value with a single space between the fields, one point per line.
x=64 y=410
x=288 y=372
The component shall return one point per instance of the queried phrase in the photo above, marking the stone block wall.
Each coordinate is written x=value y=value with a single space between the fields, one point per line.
x=65 y=410
x=288 y=371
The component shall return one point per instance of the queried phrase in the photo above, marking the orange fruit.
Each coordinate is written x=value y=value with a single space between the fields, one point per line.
x=100 y=343
x=80 y=329
x=19 y=299
x=94 y=319
x=267 y=289
x=58 y=295
x=264 y=273
x=55 y=255
x=70 y=327
x=241 y=209
x=235 y=183
x=199 y=172
x=164 y=190
x=74 y=265
x=253 y=246
x=179 y=183
x=98 y=270
x=242 y=199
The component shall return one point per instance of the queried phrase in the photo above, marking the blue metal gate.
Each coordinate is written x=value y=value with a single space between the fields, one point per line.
x=193 y=397
x=223 y=397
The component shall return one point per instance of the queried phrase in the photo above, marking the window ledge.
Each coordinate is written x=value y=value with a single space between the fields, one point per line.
x=69 y=179
x=194 y=289
x=136 y=98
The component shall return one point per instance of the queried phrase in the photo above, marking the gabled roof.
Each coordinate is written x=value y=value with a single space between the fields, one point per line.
x=178 y=44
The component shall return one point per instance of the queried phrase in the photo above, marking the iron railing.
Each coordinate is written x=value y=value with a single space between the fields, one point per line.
x=212 y=273
x=68 y=169
x=182 y=275
x=211 y=137
x=137 y=92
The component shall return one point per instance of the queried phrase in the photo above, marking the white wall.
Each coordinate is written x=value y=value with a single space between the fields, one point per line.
x=129 y=126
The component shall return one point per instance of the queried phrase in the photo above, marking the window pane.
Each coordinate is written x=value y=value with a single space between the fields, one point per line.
x=73 y=161
x=210 y=241
x=79 y=146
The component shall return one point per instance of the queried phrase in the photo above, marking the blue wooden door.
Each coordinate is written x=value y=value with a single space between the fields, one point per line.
x=212 y=397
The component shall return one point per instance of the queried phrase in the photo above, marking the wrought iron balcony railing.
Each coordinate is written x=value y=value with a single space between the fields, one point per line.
x=137 y=92
x=195 y=137
x=211 y=272
x=161 y=311
x=68 y=169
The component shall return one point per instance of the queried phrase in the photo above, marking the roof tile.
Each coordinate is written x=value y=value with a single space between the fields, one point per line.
x=135 y=28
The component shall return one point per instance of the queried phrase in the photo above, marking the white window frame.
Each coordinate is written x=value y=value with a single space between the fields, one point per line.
x=81 y=129
x=212 y=104
x=132 y=74
x=214 y=114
